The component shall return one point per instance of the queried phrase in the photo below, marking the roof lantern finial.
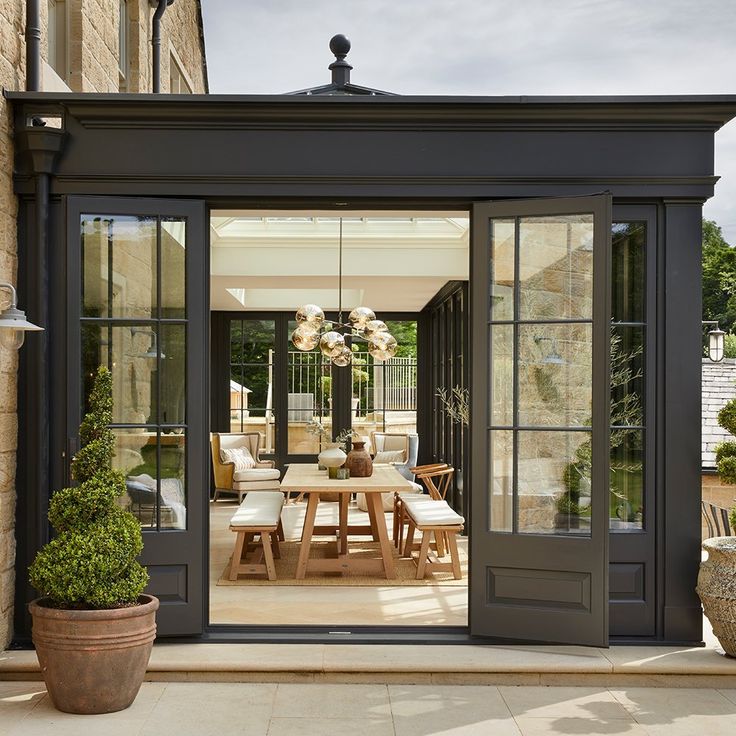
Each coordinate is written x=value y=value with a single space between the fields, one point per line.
x=340 y=46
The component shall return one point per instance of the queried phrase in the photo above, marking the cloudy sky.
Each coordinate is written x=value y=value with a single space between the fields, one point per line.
x=488 y=47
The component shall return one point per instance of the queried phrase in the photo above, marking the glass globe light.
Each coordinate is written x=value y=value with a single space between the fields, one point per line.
x=373 y=327
x=331 y=344
x=12 y=339
x=310 y=314
x=383 y=346
x=343 y=358
x=360 y=315
x=304 y=338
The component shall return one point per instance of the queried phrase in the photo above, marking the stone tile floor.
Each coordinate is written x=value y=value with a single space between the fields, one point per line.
x=255 y=709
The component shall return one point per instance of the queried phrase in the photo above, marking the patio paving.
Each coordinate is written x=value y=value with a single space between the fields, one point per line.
x=270 y=709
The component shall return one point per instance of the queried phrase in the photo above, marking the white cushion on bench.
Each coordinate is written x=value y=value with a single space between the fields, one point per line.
x=433 y=513
x=259 y=509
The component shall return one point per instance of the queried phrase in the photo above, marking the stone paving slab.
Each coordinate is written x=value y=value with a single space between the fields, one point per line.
x=238 y=709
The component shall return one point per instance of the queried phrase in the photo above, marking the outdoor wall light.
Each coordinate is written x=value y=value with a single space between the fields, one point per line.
x=553 y=357
x=716 y=342
x=13 y=322
x=152 y=352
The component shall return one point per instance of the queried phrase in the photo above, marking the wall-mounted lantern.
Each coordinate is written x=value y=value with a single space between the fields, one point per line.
x=13 y=322
x=716 y=342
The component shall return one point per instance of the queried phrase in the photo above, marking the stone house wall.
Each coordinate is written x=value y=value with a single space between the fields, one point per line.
x=93 y=48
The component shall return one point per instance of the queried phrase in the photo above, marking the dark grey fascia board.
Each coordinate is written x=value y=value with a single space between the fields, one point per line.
x=705 y=111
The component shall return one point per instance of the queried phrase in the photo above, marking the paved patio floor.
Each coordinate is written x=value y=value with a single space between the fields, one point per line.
x=259 y=709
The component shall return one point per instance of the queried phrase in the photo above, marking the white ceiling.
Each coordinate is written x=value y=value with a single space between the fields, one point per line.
x=392 y=261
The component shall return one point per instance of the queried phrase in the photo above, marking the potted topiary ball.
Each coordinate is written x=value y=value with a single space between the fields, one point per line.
x=717 y=576
x=93 y=628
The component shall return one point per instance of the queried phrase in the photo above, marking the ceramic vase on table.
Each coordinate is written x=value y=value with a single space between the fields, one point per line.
x=359 y=462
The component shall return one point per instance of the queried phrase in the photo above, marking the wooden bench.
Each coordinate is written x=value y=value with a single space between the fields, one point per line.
x=258 y=515
x=435 y=518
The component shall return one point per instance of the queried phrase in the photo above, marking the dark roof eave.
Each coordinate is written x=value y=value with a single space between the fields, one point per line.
x=710 y=110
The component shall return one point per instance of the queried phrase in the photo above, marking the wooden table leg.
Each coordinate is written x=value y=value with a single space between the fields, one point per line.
x=343 y=543
x=376 y=503
x=372 y=515
x=301 y=566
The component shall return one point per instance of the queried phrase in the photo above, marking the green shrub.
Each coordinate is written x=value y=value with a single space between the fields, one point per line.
x=727 y=469
x=725 y=449
x=727 y=417
x=91 y=563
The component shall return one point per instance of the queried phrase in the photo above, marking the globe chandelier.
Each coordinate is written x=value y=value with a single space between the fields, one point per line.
x=335 y=338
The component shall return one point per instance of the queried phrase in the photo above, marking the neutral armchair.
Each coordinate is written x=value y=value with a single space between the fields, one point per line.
x=263 y=477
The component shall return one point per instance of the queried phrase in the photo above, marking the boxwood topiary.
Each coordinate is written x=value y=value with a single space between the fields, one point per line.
x=91 y=563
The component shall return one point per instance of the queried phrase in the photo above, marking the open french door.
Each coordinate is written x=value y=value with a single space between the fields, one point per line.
x=540 y=419
x=137 y=303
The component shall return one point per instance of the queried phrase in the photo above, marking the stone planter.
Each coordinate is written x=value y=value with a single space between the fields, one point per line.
x=717 y=589
x=94 y=661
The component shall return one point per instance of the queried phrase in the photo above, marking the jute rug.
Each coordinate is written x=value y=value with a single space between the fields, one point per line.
x=405 y=569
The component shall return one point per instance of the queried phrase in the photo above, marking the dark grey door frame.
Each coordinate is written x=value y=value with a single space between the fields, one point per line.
x=175 y=558
x=507 y=568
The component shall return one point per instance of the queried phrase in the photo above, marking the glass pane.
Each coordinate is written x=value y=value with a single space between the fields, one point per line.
x=127 y=352
x=556 y=267
x=554 y=482
x=501 y=468
x=502 y=375
x=135 y=457
x=118 y=266
x=627 y=480
x=627 y=376
x=252 y=341
x=173 y=267
x=503 y=243
x=173 y=480
x=555 y=374
x=628 y=271
x=173 y=373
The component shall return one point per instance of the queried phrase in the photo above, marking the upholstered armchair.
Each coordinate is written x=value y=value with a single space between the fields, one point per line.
x=263 y=477
x=401 y=451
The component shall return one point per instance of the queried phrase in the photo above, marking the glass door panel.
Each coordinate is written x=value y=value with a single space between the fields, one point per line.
x=541 y=419
x=137 y=290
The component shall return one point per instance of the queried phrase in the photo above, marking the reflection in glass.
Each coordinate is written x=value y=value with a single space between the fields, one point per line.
x=502 y=375
x=119 y=266
x=555 y=374
x=627 y=479
x=556 y=267
x=627 y=376
x=554 y=472
x=173 y=267
x=501 y=469
x=173 y=364
x=628 y=271
x=137 y=457
x=503 y=244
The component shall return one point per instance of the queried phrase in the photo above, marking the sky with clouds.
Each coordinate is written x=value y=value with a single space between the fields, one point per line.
x=488 y=47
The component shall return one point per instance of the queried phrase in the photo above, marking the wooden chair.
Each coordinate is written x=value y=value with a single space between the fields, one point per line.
x=716 y=517
x=264 y=477
x=433 y=518
x=425 y=473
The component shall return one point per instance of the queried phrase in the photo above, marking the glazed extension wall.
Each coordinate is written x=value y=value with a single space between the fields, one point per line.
x=93 y=64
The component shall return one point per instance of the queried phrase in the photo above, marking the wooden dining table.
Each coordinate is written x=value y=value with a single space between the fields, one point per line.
x=307 y=478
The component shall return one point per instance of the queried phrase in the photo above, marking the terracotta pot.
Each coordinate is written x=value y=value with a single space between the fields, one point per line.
x=359 y=462
x=94 y=661
x=717 y=589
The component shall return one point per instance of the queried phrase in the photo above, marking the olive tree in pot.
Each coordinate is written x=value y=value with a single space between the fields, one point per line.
x=717 y=576
x=93 y=628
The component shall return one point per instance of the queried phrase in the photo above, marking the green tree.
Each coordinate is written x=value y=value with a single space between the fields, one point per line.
x=719 y=277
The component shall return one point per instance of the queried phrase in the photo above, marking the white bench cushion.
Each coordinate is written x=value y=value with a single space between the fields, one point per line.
x=434 y=513
x=259 y=509
x=256 y=475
